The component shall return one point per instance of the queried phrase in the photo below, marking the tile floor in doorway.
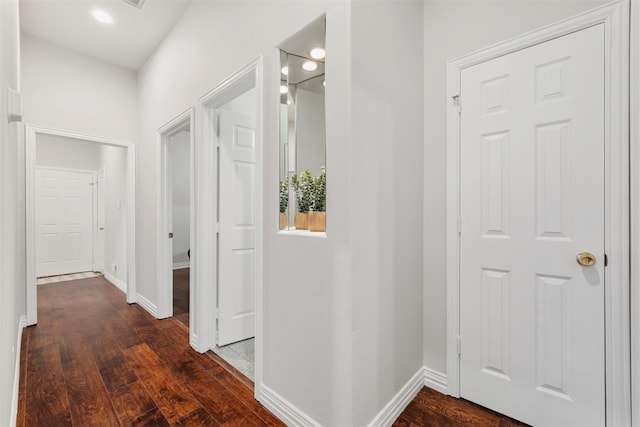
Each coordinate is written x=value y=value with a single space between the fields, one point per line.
x=240 y=355
x=67 y=277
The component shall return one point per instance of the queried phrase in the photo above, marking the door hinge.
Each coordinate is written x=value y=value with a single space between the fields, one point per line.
x=459 y=345
x=457 y=102
x=171 y=235
x=606 y=260
x=459 y=226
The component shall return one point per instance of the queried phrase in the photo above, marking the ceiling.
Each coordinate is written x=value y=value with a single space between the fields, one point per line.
x=128 y=42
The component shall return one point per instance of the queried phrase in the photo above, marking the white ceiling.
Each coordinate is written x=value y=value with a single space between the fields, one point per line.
x=128 y=42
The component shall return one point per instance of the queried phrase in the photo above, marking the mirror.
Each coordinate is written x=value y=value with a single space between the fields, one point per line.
x=302 y=128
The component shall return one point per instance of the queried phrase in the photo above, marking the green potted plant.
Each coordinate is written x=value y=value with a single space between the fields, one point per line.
x=284 y=203
x=317 y=214
x=303 y=188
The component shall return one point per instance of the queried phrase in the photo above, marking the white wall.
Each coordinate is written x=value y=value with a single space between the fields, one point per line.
x=72 y=92
x=12 y=211
x=180 y=153
x=306 y=353
x=452 y=29
x=386 y=200
x=67 y=153
x=340 y=338
x=114 y=162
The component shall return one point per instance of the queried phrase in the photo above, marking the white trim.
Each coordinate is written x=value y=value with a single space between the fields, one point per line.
x=614 y=16
x=16 y=376
x=399 y=402
x=193 y=338
x=31 y=133
x=238 y=83
x=285 y=410
x=97 y=242
x=147 y=305
x=116 y=282
x=435 y=380
x=635 y=210
x=164 y=255
x=181 y=265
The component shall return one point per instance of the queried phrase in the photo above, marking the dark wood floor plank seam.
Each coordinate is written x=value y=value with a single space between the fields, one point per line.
x=221 y=404
x=135 y=406
x=151 y=376
x=46 y=391
x=90 y=404
x=170 y=395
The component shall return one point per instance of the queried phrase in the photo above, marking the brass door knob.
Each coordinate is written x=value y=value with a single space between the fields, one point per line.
x=586 y=259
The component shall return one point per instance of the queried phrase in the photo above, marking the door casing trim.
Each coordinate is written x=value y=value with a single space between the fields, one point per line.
x=31 y=133
x=246 y=78
x=615 y=17
x=164 y=261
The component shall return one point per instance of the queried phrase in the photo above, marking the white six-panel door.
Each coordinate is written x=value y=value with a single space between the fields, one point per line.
x=532 y=198
x=64 y=220
x=237 y=233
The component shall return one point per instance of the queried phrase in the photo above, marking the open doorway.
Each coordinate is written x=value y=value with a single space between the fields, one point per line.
x=231 y=165
x=175 y=220
x=80 y=211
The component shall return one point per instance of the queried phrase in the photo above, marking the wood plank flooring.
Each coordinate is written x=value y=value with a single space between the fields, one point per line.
x=94 y=360
x=434 y=409
x=181 y=295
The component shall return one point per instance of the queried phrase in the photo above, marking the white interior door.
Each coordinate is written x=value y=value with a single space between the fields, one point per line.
x=98 y=257
x=532 y=198
x=237 y=233
x=64 y=219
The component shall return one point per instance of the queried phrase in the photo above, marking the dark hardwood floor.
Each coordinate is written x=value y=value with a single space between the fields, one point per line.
x=181 y=295
x=434 y=409
x=94 y=360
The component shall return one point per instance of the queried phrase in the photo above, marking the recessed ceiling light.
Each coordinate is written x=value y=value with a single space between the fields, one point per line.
x=283 y=89
x=102 y=16
x=285 y=70
x=309 y=65
x=317 y=53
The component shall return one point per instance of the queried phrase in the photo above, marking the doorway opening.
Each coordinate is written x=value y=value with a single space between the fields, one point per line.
x=514 y=206
x=80 y=211
x=175 y=220
x=230 y=170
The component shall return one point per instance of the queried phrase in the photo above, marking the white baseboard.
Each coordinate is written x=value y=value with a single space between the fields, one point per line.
x=181 y=265
x=291 y=415
x=284 y=410
x=400 y=401
x=16 y=377
x=435 y=380
x=147 y=305
x=116 y=282
x=193 y=339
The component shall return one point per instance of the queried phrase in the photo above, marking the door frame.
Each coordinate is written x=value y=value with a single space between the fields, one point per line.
x=99 y=204
x=635 y=208
x=615 y=17
x=94 y=200
x=165 y=216
x=207 y=145
x=31 y=133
